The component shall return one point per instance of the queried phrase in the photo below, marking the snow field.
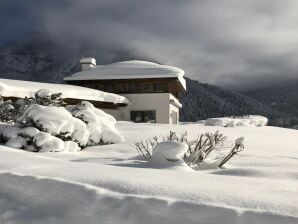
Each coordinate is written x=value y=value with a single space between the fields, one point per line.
x=71 y=202
x=111 y=184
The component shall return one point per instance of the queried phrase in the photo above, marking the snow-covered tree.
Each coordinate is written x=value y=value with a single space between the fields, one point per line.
x=45 y=123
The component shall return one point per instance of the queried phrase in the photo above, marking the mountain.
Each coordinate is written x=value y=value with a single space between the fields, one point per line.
x=283 y=98
x=46 y=61
x=202 y=101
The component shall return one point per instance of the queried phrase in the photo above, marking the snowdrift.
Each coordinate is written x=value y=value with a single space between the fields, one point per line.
x=246 y=121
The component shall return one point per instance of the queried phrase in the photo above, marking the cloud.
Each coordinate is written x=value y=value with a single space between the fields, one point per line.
x=235 y=44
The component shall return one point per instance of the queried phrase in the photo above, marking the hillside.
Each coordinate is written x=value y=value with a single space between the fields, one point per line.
x=283 y=98
x=203 y=101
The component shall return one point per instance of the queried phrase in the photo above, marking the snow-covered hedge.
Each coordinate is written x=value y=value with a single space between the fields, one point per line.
x=57 y=128
x=247 y=121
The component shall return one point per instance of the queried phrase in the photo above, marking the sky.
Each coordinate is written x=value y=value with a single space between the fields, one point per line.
x=235 y=44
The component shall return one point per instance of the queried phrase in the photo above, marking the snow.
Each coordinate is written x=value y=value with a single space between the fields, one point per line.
x=133 y=69
x=20 y=89
x=170 y=150
x=57 y=121
x=169 y=155
x=100 y=125
x=88 y=60
x=246 y=121
x=112 y=184
x=61 y=129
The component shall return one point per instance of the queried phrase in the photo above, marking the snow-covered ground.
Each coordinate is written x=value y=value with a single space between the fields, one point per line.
x=111 y=184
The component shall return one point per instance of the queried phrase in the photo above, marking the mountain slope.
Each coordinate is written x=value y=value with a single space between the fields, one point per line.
x=202 y=101
x=283 y=98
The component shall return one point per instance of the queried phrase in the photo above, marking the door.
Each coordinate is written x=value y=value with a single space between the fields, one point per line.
x=174 y=117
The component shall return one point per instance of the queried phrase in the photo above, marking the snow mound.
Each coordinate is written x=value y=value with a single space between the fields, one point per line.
x=246 y=121
x=169 y=155
x=171 y=150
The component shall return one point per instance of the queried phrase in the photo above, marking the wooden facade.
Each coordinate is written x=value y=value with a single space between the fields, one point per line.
x=127 y=86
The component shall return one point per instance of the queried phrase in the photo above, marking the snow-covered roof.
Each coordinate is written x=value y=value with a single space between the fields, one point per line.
x=17 y=88
x=133 y=69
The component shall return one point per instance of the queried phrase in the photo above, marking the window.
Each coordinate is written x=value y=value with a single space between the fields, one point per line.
x=160 y=88
x=143 y=116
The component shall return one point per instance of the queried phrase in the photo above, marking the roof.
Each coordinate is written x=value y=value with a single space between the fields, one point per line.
x=133 y=69
x=20 y=89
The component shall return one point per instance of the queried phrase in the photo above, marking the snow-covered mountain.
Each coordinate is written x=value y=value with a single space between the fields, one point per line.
x=47 y=61
x=283 y=98
x=203 y=101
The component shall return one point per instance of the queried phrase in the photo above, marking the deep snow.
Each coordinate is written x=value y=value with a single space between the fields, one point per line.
x=111 y=184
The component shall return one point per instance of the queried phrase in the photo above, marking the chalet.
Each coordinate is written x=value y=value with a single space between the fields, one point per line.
x=152 y=89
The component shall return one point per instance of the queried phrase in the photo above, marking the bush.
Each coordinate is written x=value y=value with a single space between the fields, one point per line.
x=43 y=123
x=208 y=148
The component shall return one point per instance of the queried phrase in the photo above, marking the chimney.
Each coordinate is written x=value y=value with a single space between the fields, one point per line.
x=87 y=63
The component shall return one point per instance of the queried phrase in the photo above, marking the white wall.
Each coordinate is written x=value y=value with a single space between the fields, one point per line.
x=160 y=102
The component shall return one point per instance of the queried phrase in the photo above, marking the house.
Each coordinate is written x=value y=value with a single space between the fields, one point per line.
x=16 y=89
x=152 y=89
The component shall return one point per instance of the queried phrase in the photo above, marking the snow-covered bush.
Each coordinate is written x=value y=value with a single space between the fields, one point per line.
x=10 y=110
x=101 y=126
x=247 y=121
x=56 y=121
x=208 y=148
x=45 y=125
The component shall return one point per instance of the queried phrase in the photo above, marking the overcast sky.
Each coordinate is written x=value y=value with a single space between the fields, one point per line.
x=230 y=43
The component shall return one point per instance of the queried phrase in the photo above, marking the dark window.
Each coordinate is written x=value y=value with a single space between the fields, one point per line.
x=143 y=116
x=160 y=88
x=133 y=88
